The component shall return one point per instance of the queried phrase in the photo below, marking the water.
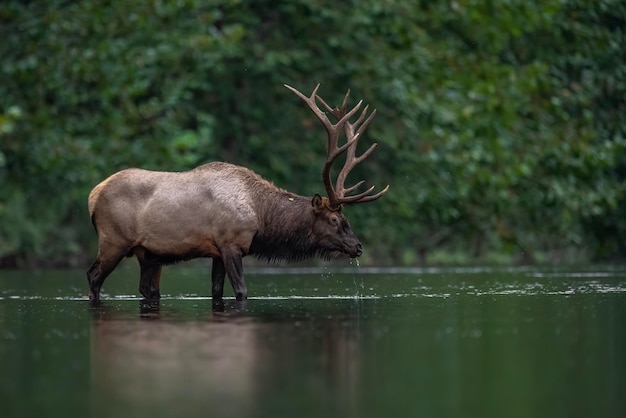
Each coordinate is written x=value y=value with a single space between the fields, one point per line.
x=353 y=342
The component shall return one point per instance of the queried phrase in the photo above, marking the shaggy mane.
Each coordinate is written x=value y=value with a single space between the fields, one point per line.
x=286 y=233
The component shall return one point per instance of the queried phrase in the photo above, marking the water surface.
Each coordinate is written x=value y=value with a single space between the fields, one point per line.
x=318 y=343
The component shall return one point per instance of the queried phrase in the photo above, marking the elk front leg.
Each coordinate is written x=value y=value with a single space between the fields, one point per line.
x=149 y=283
x=150 y=276
x=233 y=264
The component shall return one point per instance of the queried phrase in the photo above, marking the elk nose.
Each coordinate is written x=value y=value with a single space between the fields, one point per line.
x=359 y=249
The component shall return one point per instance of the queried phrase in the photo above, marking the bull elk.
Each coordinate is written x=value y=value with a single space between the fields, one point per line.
x=225 y=212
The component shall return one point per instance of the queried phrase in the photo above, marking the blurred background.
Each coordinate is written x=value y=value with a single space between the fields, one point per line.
x=501 y=124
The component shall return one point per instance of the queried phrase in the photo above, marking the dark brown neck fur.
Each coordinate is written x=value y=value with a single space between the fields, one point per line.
x=286 y=232
x=286 y=228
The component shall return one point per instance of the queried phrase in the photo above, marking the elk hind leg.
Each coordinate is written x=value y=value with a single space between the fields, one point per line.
x=108 y=258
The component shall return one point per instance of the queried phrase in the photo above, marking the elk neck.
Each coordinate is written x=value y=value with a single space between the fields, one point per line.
x=286 y=223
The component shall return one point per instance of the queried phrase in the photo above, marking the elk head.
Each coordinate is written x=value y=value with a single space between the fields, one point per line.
x=331 y=226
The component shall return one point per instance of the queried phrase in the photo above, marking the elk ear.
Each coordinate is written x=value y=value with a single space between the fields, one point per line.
x=317 y=202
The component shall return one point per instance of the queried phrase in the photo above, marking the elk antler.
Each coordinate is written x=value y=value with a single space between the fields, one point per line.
x=337 y=195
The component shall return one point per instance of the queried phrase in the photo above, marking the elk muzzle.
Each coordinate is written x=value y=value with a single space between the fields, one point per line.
x=352 y=247
x=358 y=251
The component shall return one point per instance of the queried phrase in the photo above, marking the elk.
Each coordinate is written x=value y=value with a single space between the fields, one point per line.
x=225 y=212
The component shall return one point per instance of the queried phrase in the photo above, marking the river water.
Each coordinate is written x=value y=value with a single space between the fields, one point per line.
x=343 y=342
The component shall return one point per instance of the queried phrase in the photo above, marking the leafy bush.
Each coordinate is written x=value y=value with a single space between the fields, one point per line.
x=501 y=125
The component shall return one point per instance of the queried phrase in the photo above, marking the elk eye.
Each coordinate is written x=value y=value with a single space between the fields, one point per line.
x=334 y=220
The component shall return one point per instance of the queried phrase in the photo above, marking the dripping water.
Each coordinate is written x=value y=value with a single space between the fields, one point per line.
x=358 y=287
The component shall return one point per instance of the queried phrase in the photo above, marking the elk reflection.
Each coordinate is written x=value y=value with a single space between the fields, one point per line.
x=222 y=362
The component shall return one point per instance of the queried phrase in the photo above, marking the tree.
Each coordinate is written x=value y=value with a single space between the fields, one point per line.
x=501 y=125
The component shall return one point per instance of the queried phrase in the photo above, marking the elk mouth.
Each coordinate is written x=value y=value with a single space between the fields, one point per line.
x=355 y=251
x=351 y=252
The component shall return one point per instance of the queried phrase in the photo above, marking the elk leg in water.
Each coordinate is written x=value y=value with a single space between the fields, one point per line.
x=108 y=258
x=218 y=272
x=234 y=268
x=150 y=276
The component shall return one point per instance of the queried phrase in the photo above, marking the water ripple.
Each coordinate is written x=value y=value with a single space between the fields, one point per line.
x=574 y=283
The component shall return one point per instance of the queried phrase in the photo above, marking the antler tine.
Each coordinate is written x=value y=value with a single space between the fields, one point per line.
x=328 y=108
x=367 y=122
x=310 y=101
x=363 y=197
x=345 y=99
x=355 y=187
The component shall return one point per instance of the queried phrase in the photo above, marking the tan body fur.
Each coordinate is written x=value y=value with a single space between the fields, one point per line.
x=140 y=206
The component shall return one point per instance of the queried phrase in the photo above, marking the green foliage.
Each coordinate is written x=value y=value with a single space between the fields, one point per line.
x=501 y=124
